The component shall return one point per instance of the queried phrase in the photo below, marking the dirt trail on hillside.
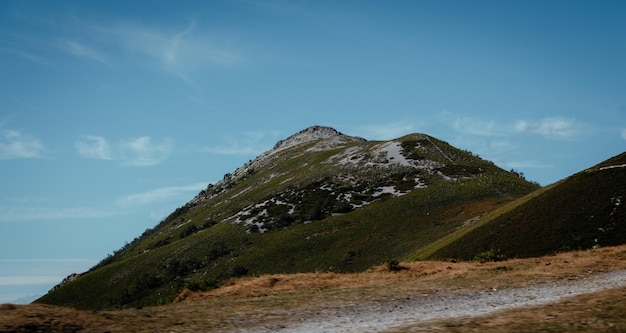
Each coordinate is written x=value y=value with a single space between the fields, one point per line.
x=411 y=310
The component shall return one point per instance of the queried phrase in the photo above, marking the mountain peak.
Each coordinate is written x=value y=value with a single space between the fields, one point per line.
x=308 y=134
x=317 y=195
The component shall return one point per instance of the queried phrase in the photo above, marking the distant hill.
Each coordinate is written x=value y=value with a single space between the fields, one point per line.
x=318 y=201
x=583 y=211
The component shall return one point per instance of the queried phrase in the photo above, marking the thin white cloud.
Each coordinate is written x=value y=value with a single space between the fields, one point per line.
x=204 y=104
x=552 y=127
x=478 y=127
x=92 y=146
x=141 y=151
x=179 y=52
x=25 y=55
x=485 y=146
x=161 y=194
x=47 y=260
x=624 y=134
x=80 y=50
x=23 y=213
x=29 y=280
x=16 y=145
x=526 y=165
x=474 y=126
x=248 y=143
x=549 y=127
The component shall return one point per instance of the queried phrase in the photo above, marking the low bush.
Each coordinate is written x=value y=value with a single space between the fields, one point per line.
x=488 y=256
x=394 y=266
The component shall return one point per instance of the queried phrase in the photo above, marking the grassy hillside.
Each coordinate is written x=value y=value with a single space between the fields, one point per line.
x=582 y=211
x=336 y=204
x=422 y=296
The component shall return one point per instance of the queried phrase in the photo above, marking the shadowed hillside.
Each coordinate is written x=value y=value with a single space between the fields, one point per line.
x=583 y=211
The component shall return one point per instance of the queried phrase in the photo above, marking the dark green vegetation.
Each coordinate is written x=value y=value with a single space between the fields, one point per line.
x=328 y=203
x=583 y=211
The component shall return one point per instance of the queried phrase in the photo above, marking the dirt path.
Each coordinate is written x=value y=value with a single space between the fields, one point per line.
x=413 y=309
x=570 y=292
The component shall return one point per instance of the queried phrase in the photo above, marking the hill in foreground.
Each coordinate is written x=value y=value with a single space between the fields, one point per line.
x=568 y=292
x=583 y=211
x=318 y=201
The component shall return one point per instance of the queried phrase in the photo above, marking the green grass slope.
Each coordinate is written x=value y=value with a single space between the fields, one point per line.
x=301 y=210
x=583 y=211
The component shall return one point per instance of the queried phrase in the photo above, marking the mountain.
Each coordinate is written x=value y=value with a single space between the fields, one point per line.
x=586 y=210
x=319 y=200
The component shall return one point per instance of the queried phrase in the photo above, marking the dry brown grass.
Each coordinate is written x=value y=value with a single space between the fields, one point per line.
x=270 y=301
x=429 y=275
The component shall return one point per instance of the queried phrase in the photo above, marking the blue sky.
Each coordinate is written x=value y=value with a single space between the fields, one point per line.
x=114 y=113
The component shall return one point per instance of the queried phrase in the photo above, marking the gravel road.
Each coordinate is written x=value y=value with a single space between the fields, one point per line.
x=388 y=314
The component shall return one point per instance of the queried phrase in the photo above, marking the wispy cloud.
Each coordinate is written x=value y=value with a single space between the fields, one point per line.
x=25 y=55
x=161 y=194
x=28 y=280
x=553 y=127
x=473 y=125
x=527 y=165
x=27 y=213
x=141 y=151
x=177 y=51
x=81 y=50
x=204 y=104
x=549 y=127
x=508 y=142
x=479 y=127
x=16 y=145
x=624 y=134
x=182 y=50
x=47 y=260
x=92 y=146
x=248 y=143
